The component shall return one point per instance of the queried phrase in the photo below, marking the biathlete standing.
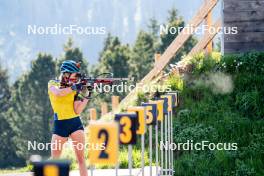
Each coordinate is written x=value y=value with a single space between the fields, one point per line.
x=68 y=102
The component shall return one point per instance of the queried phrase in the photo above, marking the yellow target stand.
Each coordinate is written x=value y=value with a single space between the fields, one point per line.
x=164 y=134
x=128 y=123
x=151 y=119
x=141 y=113
x=160 y=117
x=92 y=118
x=175 y=103
x=175 y=98
x=104 y=143
x=168 y=135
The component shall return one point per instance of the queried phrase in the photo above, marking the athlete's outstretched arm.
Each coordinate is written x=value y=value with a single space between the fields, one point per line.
x=60 y=92
x=80 y=105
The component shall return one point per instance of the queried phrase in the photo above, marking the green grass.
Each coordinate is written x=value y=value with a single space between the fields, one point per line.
x=222 y=101
x=16 y=170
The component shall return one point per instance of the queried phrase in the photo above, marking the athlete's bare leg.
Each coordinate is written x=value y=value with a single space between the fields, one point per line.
x=78 y=138
x=56 y=151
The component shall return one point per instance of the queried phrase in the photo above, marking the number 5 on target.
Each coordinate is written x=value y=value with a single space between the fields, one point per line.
x=151 y=113
x=103 y=137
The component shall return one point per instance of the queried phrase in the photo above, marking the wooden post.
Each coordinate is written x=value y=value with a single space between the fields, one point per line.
x=173 y=48
x=208 y=21
x=157 y=57
x=204 y=40
x=115 y=102
x=104 y=108
x=93 y=114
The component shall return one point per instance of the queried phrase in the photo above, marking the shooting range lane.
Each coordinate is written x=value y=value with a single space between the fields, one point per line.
x=123 y=134
x=136 y=122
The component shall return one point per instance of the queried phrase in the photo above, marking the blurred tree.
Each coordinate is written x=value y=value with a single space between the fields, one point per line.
x=142 y=59
x=7 y=147
x=153 y=27
x=5 y=93
x=73 y=53
x=31 y=111
x=115 y=58
x=96 y=68
x=175 y=24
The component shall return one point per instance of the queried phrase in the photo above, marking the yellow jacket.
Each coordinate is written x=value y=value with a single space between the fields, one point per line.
x=62 y=106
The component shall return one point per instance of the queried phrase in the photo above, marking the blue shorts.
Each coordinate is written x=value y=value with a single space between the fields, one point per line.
x=65 y=128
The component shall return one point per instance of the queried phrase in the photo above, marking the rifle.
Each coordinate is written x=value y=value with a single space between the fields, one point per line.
x=102 y=79
x=91 y=82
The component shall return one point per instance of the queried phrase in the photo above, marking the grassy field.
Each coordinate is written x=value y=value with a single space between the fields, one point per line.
x=222 y=101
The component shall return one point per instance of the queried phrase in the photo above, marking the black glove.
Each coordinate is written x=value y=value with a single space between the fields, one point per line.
x=90 y=88
x=85 y=93
x=77 y=87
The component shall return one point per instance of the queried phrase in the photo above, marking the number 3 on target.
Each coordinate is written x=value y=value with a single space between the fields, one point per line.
x=103 y=139
x=127 y=127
